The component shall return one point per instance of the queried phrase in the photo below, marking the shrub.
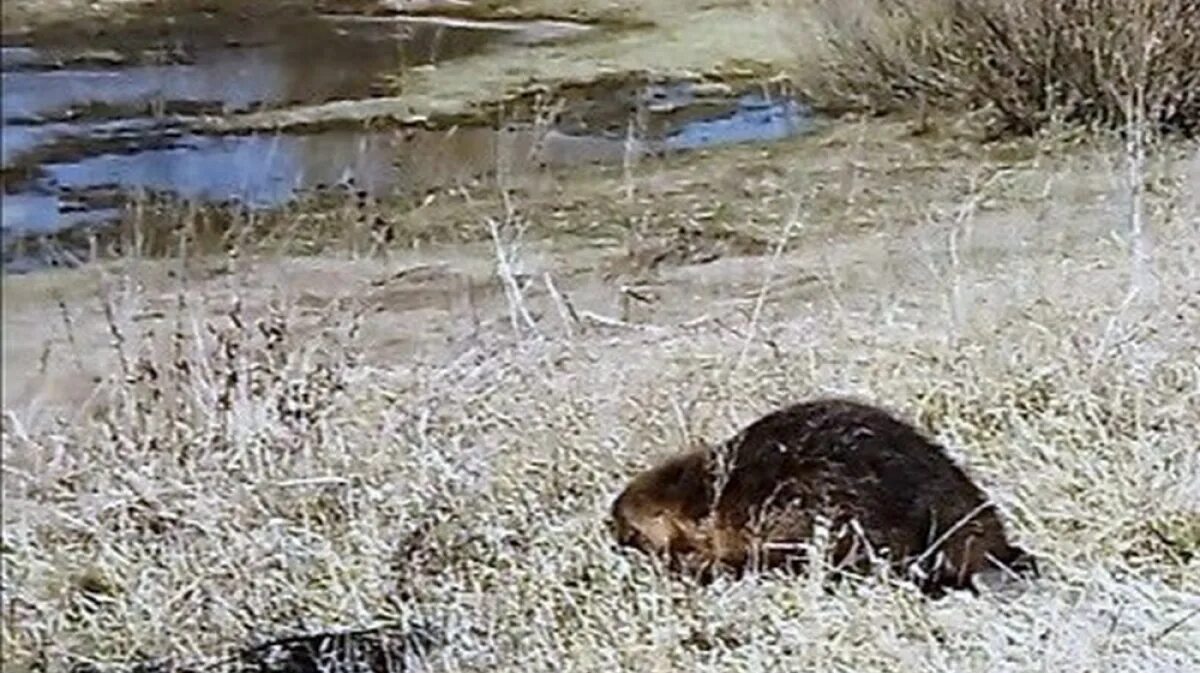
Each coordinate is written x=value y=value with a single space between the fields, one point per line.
x=1093 y=62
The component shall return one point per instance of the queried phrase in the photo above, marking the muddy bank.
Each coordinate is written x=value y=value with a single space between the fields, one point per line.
x=282 y=176
x=89 y=106
x=99 y=171
x=221 y=104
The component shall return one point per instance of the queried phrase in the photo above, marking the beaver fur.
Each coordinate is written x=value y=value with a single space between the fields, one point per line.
x=882 y=490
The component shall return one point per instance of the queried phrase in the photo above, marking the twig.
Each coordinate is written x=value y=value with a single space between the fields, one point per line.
x=761 y=300
x=566 y=311
x=933 y=547
x=118 y=339
x=697 y=321
x=70 y=329
x=406 y=271
x=613 y=322
x=1106 y=340
x=518 y=312
x=630 y=149
x=1174 y=625
x=313 y=481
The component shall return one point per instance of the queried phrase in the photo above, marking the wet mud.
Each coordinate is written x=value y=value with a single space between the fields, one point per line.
x=95 y=119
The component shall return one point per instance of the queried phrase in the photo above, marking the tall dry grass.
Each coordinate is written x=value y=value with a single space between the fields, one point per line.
x=247 y=488
x=1030 y=62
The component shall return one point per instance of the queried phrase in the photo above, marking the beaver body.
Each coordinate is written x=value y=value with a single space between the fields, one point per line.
x=882 y=490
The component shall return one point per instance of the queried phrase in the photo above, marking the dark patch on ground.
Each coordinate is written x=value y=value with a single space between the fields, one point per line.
x=373 y=650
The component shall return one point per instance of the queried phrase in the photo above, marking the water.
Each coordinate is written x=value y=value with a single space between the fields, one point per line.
x=755 y=119
x=87 y=117
x=314 y=60
x=81 y=123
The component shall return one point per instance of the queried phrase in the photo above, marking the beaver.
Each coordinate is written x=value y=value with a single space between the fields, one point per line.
x=882 y=490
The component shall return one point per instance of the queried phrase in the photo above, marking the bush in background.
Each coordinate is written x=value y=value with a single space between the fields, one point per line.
x=1032 y=62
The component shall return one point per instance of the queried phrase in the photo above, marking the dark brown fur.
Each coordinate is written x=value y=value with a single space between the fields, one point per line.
x=884 y=490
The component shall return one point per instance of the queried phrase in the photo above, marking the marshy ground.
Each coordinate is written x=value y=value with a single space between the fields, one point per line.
x=409 y=414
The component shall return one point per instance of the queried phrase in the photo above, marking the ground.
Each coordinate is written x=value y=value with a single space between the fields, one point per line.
x=201 y=452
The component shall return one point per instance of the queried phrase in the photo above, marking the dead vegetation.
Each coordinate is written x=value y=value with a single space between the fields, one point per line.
x=260 y=464
x=1032 y=63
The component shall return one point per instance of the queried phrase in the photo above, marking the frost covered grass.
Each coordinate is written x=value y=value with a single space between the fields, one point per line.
x=248 y=472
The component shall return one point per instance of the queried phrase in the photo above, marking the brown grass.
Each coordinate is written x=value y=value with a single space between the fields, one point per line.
x=1030 y=62
x=259 y=460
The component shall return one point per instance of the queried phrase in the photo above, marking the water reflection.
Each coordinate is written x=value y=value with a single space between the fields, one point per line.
x=756 y=118
x=335 y=62
x=106 y=120
x=269 y=170
x=102 y=112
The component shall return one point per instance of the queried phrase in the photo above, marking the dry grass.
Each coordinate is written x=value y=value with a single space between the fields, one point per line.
x=22 y=15
x=256 y=464
x=1032 y=62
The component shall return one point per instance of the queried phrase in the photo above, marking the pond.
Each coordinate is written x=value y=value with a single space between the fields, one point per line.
x=89 y=125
